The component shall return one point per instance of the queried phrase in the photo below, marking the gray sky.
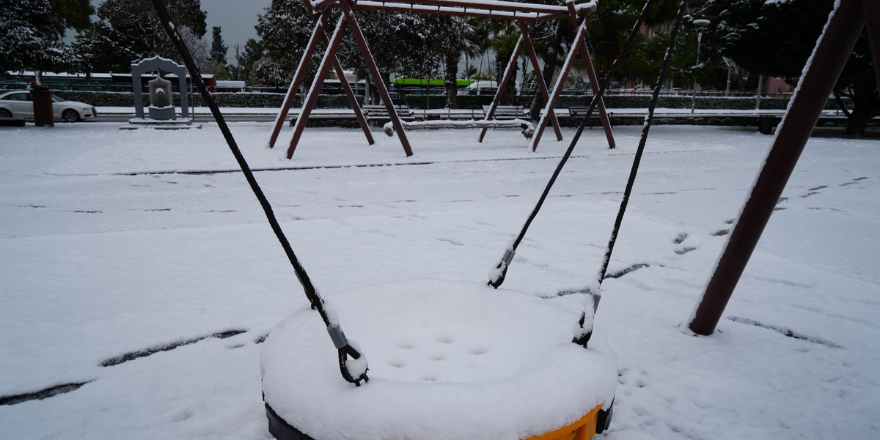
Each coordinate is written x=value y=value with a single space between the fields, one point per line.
x=236 y=18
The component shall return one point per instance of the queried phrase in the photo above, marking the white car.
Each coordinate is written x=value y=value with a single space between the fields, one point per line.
x=18 y=104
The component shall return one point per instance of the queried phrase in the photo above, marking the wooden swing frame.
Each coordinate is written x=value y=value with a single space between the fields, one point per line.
x=524 y=14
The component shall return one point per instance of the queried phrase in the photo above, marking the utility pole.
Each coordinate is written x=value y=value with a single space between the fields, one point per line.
x=237 y=64
x=729 y=67
x=700 y=24
x=758 y=95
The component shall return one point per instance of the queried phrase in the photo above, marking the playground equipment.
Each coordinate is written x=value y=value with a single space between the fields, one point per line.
x=524 y=14
x=298 y=387
x=293 y=364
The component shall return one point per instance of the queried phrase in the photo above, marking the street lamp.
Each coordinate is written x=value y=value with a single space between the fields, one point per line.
x=700 y=24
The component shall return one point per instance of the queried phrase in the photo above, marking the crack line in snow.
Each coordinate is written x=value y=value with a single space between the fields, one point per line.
x=376 y=165
x=42 y=394
x=784 y=331
x=165 y=347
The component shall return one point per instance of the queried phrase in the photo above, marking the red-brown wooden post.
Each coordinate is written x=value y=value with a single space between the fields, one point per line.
x=317 y=33
x=312 y=97
x=560 y=82
x=508 y=72
x=594 y=83
x=374 y=70
x=539 y=77
x=829 y=57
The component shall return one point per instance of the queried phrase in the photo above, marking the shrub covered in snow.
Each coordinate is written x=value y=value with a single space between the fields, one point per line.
x=273 y=100
x=258 y=100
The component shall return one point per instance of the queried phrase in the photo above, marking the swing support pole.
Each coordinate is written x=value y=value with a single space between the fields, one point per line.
x=524 y=40
x=315 y=89
x=298 y=76
x=832 y=50
x=539 y=76
x=579 y=45
x=320 y=33
x=347 y=19
x=591 y=74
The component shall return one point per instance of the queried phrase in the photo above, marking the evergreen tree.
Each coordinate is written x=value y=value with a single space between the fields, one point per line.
x=128 y=30
x=30 y=37
x=777 y=38
x=399 y=42
x=218 y=49
x=71 y=14
x=253 y=52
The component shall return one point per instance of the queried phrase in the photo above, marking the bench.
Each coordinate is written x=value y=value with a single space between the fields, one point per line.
x=11 y=122
x=575 y=114
x=329 y=115
x=508 y=112
x=379 y=113
x=463 y=114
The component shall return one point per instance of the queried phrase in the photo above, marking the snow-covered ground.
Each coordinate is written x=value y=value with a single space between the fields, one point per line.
x=106 y=249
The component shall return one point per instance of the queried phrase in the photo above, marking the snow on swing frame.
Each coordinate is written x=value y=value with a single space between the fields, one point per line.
x=524 y=14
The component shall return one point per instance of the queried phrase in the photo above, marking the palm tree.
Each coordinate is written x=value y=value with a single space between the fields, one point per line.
x=475 y=33
x=504 y=38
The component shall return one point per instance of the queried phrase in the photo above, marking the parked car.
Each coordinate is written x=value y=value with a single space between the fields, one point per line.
x=19 y=104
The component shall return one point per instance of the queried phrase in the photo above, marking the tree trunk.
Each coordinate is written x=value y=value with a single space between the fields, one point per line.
x=550 y=60
x=386 y=79
x=866 y=105
x=450 y=80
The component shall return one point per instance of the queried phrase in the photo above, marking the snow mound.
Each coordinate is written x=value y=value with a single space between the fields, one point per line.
x=448 y=360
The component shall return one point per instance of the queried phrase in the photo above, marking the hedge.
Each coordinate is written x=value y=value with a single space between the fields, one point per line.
x=273 y=100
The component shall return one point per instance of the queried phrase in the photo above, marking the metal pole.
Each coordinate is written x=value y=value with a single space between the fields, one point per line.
x=832 y=50
x=694 y=95
x=729 y=67
x=758 y=95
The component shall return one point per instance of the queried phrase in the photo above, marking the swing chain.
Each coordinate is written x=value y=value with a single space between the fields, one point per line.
x=595 y=291
x=309 y=289
x=498 y=275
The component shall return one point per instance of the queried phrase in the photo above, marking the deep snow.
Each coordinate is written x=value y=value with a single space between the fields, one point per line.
x=100 y=256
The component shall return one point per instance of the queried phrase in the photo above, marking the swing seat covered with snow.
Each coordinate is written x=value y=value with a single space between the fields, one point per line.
x=448 y=360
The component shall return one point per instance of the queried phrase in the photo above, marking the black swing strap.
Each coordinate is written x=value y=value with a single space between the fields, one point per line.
x=499 y=271
x=582 y=336
x=336 y=335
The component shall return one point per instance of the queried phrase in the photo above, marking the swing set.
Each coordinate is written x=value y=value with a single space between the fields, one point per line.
x=525 y=15
x=294 y=364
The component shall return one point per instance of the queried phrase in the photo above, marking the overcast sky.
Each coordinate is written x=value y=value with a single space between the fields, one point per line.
x=236 y=18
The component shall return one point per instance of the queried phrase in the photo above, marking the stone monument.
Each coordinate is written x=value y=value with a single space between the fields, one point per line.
x=161 y=107
x=161 y=111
